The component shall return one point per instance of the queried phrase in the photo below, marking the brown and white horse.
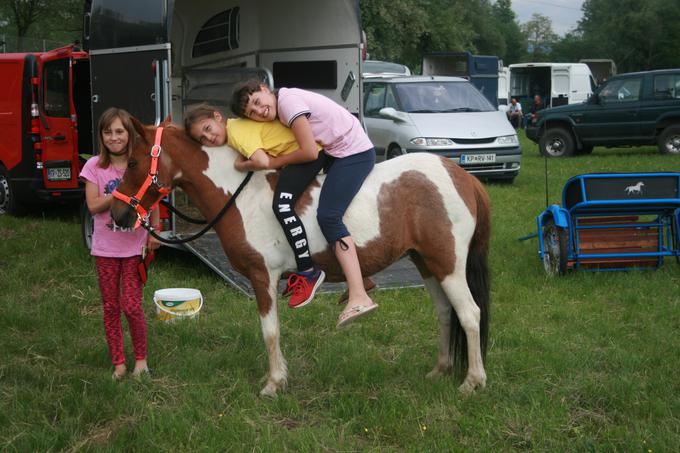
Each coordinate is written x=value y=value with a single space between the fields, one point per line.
x=418 y=204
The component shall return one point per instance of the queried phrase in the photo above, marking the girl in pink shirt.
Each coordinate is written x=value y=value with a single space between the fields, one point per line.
x=117 y=251
x=314 y=118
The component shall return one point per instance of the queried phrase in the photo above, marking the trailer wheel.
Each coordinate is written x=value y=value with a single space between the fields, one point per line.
x=555 y=248
x=556 y=142
x=8 y=202
x=86 y=225
x=669 y=140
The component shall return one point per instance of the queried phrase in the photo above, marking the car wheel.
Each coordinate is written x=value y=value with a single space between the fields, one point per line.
x=8 y=202
x=555 y=248
x=556 y=142
x=86 y=225
x=394 y=151
x=669 y=140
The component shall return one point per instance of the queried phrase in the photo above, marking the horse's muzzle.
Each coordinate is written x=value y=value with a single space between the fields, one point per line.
x=123 y=214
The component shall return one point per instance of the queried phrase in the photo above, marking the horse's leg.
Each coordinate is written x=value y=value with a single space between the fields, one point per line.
x=265 y=294
x=469 y=315
x=443 y=308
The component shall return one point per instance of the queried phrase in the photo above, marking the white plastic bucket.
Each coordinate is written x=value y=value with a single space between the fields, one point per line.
x=177 y=303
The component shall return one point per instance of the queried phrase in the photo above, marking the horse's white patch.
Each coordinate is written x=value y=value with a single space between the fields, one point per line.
x=264 y=234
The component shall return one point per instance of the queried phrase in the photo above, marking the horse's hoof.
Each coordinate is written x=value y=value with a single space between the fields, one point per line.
x=438 y=372
x=469 y=385
x=269 y=391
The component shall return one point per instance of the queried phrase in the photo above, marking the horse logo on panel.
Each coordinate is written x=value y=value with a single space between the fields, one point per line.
x=635 y=189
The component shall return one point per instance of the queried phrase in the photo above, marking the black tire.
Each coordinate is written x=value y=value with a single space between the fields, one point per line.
x=394 y=151
x=669 y=140
x=8 y=201
x=86 y=225
x=556 y=142
x=555 y=248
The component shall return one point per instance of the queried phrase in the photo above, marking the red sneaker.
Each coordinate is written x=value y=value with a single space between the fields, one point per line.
x=303 y=286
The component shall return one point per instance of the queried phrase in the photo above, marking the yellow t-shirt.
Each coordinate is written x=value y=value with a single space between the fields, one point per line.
x=247 y=136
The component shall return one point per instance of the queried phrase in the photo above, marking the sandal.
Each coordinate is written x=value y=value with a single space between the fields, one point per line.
x=348 y=316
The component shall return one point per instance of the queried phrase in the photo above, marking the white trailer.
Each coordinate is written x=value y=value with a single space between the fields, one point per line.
x=155 y=58
x=556 y=83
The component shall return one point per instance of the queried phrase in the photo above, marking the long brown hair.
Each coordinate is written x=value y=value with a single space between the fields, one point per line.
x=105 y=121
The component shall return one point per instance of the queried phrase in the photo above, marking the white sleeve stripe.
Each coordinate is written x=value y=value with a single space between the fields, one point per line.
x=304 y=112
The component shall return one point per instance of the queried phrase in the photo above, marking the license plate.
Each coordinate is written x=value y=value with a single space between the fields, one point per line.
x=477 y=159
x=58 y=174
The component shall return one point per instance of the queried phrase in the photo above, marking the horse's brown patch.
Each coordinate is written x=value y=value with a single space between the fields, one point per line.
x=408 y=222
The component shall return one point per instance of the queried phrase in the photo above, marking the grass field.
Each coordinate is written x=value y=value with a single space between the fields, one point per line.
x=584 y=362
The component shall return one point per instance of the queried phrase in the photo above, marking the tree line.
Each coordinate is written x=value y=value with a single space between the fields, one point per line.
x=636 y=34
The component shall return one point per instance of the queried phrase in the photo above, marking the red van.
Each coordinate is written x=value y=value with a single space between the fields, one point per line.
x=45 y=122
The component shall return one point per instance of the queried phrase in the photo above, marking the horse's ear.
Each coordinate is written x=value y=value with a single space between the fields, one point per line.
x=139 y=127
x=168 y=119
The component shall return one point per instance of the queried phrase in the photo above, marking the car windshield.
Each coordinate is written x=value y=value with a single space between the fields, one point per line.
x=441 y=97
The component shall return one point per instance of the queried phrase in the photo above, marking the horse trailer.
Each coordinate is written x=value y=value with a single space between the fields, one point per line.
x=158 y=57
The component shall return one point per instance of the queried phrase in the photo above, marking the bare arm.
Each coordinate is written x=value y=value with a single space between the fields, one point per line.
x=96 y=203
x=309 y=150
x=259 y=160
x=151 y=242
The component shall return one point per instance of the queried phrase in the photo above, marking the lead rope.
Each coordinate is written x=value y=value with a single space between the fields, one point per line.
x=212 y=223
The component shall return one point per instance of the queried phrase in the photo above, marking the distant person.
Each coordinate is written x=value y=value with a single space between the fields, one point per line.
x=117 y=251
x=515 y=113
x=533 y=111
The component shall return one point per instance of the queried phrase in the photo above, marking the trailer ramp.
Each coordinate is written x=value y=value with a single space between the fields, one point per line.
x=402 y=274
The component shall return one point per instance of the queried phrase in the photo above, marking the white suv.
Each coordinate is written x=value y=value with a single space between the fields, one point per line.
x=442 y=115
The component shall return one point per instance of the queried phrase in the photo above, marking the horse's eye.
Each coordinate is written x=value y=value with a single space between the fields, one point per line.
x=132 y=163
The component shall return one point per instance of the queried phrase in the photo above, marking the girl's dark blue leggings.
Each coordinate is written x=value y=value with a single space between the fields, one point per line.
x=344 y=178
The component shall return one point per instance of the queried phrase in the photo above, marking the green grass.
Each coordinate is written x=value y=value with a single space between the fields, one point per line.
x=584 y=362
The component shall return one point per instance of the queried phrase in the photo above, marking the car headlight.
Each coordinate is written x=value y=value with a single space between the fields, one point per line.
x=422 y=141
x=507 y=140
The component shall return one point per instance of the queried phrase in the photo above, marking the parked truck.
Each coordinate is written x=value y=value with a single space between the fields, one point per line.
x=556 y=83
x=481 y=70
x=45 y=122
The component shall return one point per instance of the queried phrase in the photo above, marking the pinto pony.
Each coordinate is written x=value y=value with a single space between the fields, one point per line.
x=418 y=204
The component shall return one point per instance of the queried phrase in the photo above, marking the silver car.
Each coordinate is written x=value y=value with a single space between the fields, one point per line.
x=442 y=115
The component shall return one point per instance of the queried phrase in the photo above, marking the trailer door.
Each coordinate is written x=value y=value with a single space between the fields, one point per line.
x=129 y=49
x=57 y=126
x=560 y=86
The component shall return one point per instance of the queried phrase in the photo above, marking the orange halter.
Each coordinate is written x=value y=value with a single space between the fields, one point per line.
x=151 y=179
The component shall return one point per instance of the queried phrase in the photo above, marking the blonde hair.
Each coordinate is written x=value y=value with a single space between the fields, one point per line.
x=105 y=121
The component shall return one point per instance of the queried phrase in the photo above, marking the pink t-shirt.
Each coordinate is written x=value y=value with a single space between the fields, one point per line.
x=109 y=240
x=333 y=126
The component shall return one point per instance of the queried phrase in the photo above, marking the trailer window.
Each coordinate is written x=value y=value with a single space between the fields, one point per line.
x=56 y=94
x=220 y=33
x=320 y=75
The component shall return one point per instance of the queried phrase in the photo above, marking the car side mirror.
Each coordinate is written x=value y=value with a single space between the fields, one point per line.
x=594 y=99
x=393 y=114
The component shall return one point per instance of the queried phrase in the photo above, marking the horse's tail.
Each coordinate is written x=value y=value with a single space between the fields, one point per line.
x=477 y=275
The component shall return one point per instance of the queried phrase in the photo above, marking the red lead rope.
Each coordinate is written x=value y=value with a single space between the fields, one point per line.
x=151 y=178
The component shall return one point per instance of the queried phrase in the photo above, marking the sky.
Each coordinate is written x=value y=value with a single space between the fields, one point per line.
x=564 y=13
